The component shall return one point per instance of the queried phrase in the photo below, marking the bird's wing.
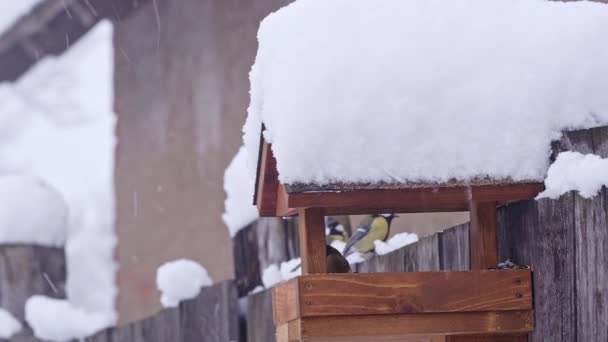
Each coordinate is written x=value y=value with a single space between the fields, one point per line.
x=357 y=235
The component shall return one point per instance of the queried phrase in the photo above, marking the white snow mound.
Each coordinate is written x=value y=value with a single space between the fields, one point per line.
x=9 y=325
x=239 y=184
x=395 y=242
x=425 y=90
x=180 y=280
x=59 y=320
x=585 y=173
x=32 y=212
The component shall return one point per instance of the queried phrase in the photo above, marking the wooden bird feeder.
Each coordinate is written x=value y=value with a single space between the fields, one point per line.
x=476 y=305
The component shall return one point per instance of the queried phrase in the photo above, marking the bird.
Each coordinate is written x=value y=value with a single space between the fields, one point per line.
x=372 y=228
x=334 y=231
x=335 y=261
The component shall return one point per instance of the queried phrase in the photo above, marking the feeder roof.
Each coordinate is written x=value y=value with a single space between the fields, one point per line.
x=354 y=94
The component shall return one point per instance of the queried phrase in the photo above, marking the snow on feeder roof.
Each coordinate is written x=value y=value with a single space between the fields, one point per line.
x=417 y=92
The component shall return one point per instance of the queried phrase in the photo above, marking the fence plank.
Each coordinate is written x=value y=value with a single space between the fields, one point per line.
x=246 y=263
x=591 y=230
x=272 y=237
x=26 y=271
x=260 y=326
x=600 y=141
x=578 y=141
x=454 y=248
x=541 y=234
x=212 y=316
x=423 y=255
x=391 y=262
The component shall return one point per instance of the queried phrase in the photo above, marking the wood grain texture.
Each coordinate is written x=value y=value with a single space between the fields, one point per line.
x=268 y=183
x=599 y=136
x=311 y=227
x=260 y=328
x=212 y=316
x=483 y=250
x=408 y=293
x=391 y=262
x=286 y=301
x=412 y=200
x=454 y=248
x=26 y=271
x=247 y=270
x=488 y=338
x=591 y=233
x=394 y=326
x=271 y=239
x=541 y=234
x=423 y=255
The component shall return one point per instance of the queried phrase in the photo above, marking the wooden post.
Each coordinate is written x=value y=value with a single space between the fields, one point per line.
x=483 y=249
x=482 y=235
x=311 y=228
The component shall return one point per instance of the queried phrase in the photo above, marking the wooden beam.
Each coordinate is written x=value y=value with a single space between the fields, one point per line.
x=311 y=228
x=412 y=200
x=321 y=295
x=268 y=183
x=482 y=235
x=399 y=327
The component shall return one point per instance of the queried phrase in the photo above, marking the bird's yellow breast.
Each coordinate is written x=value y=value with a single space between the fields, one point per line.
x=378 y=231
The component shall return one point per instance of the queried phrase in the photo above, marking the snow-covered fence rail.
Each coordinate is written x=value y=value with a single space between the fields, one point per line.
x=211 y=317
x=26 y=271
x=564 y=241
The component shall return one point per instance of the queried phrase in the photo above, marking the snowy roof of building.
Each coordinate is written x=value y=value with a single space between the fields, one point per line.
x=354 y=95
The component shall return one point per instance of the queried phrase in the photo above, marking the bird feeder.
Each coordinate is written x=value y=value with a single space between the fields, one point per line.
x=494 y=305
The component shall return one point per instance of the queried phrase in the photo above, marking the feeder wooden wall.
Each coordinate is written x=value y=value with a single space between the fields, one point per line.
x=564 y=240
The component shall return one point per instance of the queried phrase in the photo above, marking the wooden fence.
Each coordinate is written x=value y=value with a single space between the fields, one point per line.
x=211 y=317
x=27 y=271
x=565 y=241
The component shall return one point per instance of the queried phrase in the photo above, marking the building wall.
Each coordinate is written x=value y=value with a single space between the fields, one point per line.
x=182 y=89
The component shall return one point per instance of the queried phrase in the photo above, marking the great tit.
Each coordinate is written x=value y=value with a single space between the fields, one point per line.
x=372 y=228
x=335 y=261
x=334 y=231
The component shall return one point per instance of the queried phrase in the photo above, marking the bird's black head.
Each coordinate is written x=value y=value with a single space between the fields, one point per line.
x=390 y=217
x=331 y=223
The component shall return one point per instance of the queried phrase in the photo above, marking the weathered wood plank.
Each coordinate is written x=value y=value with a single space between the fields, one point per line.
x=591 y=232
x=391 y=262
x=578 y=141
x=423 y=255
x=260 y=326
x=599 y=136
x=212 y=316
x=541 y=234
x=454 y=248
x=325 y=328
x=272 y=237
x=390 y=293
x=247 y=271
x=26 y=271
x=311 y=227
